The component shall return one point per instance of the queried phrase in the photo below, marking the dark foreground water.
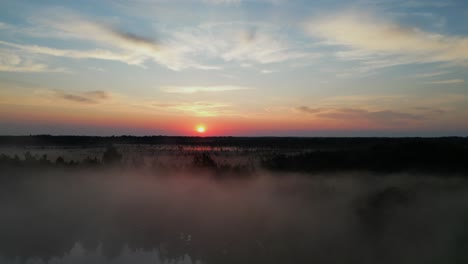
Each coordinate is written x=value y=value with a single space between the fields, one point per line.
x=129 y=216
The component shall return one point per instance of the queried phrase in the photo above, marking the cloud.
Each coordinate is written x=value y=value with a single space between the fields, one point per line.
x=308 y=110
x=236 y=2
x=381 y=109
x=204 y=47
x=430 y=74
x=358 y=114
x=266 y=71
x=425 y=3
x=113 y=43
x=199 y=108
x=4 y=26
x=238 y=43
x=91 y=97
x=10 y=62
x=66 y=24
x=451 y=81
x=217 y=2
x=100 y=95
x=198 y=89
x=384 y=102
x=380 y=43
x=75 y=54
x=94 y=68
x=77 y=98
x=431 y=110
x=261 y=48
x=133 y=38
x=381 y=117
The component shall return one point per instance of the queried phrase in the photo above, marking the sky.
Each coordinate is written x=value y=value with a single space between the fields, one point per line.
x=236 y=67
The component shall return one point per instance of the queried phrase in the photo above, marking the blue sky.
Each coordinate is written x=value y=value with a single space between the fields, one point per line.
x=241 y=67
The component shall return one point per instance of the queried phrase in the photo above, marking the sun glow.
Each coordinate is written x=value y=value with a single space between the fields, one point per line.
x=200 y=129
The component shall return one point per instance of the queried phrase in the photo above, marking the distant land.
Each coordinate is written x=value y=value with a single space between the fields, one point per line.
x=432 y=155
x=275 y=142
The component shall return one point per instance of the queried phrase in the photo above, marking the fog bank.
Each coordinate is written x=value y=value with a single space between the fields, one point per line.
x=269 y=218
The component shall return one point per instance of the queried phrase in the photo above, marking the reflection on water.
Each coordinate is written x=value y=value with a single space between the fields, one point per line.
x=127 y=216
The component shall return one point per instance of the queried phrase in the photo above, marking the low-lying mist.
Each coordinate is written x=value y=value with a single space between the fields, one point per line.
x=124 y=215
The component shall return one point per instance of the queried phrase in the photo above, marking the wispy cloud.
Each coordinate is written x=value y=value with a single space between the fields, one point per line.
x=76 y=54
x=198 y=89
x=377 y=117
x=10 y=62
x=236 y=2
x=205 y=47
x=426 y=3
x=390 y=102
x=111 y=41
x=66 y=24
x=451 y=81
x=382 y=110
x=381 y=43
x=90 y=97
x=266 y=71
x=240 y=43
x=430 y=74
x=198 y=108
x=308 y=110
x=347 y=114
x=430 y=110
x=217 y=2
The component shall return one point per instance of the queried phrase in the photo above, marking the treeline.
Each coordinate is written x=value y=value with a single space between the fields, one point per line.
x=201 y=161
x=242 y=142
x=329 y=154
x=110 y=157
x=437 y=155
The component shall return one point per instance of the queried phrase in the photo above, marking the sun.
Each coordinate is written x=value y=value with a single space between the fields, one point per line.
x=200 y=129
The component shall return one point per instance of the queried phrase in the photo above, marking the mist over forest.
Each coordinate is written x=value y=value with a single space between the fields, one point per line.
x=234 y=132
x=193 y=203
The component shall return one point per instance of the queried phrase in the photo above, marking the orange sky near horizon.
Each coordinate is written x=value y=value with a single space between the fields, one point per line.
x=254 y=68
x=184 y=125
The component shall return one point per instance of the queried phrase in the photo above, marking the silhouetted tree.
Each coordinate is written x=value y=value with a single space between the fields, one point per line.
x=204 y=160
x=111 y=155
x=29 y=158
x=91 y=162
x=60 y=161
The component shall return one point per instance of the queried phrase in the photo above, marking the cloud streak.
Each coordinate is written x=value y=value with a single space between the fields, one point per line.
x=308 y=110
x=357 y=114
x=451 y=81
x=75 y=54
x=374 y=41
x=10 y=62
x=202 y=89
x=207 y=46
x=378 y=117
x=112 y=42
x=91 y=97
x=198 y=108
x=218 y=2
x=430 y=74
